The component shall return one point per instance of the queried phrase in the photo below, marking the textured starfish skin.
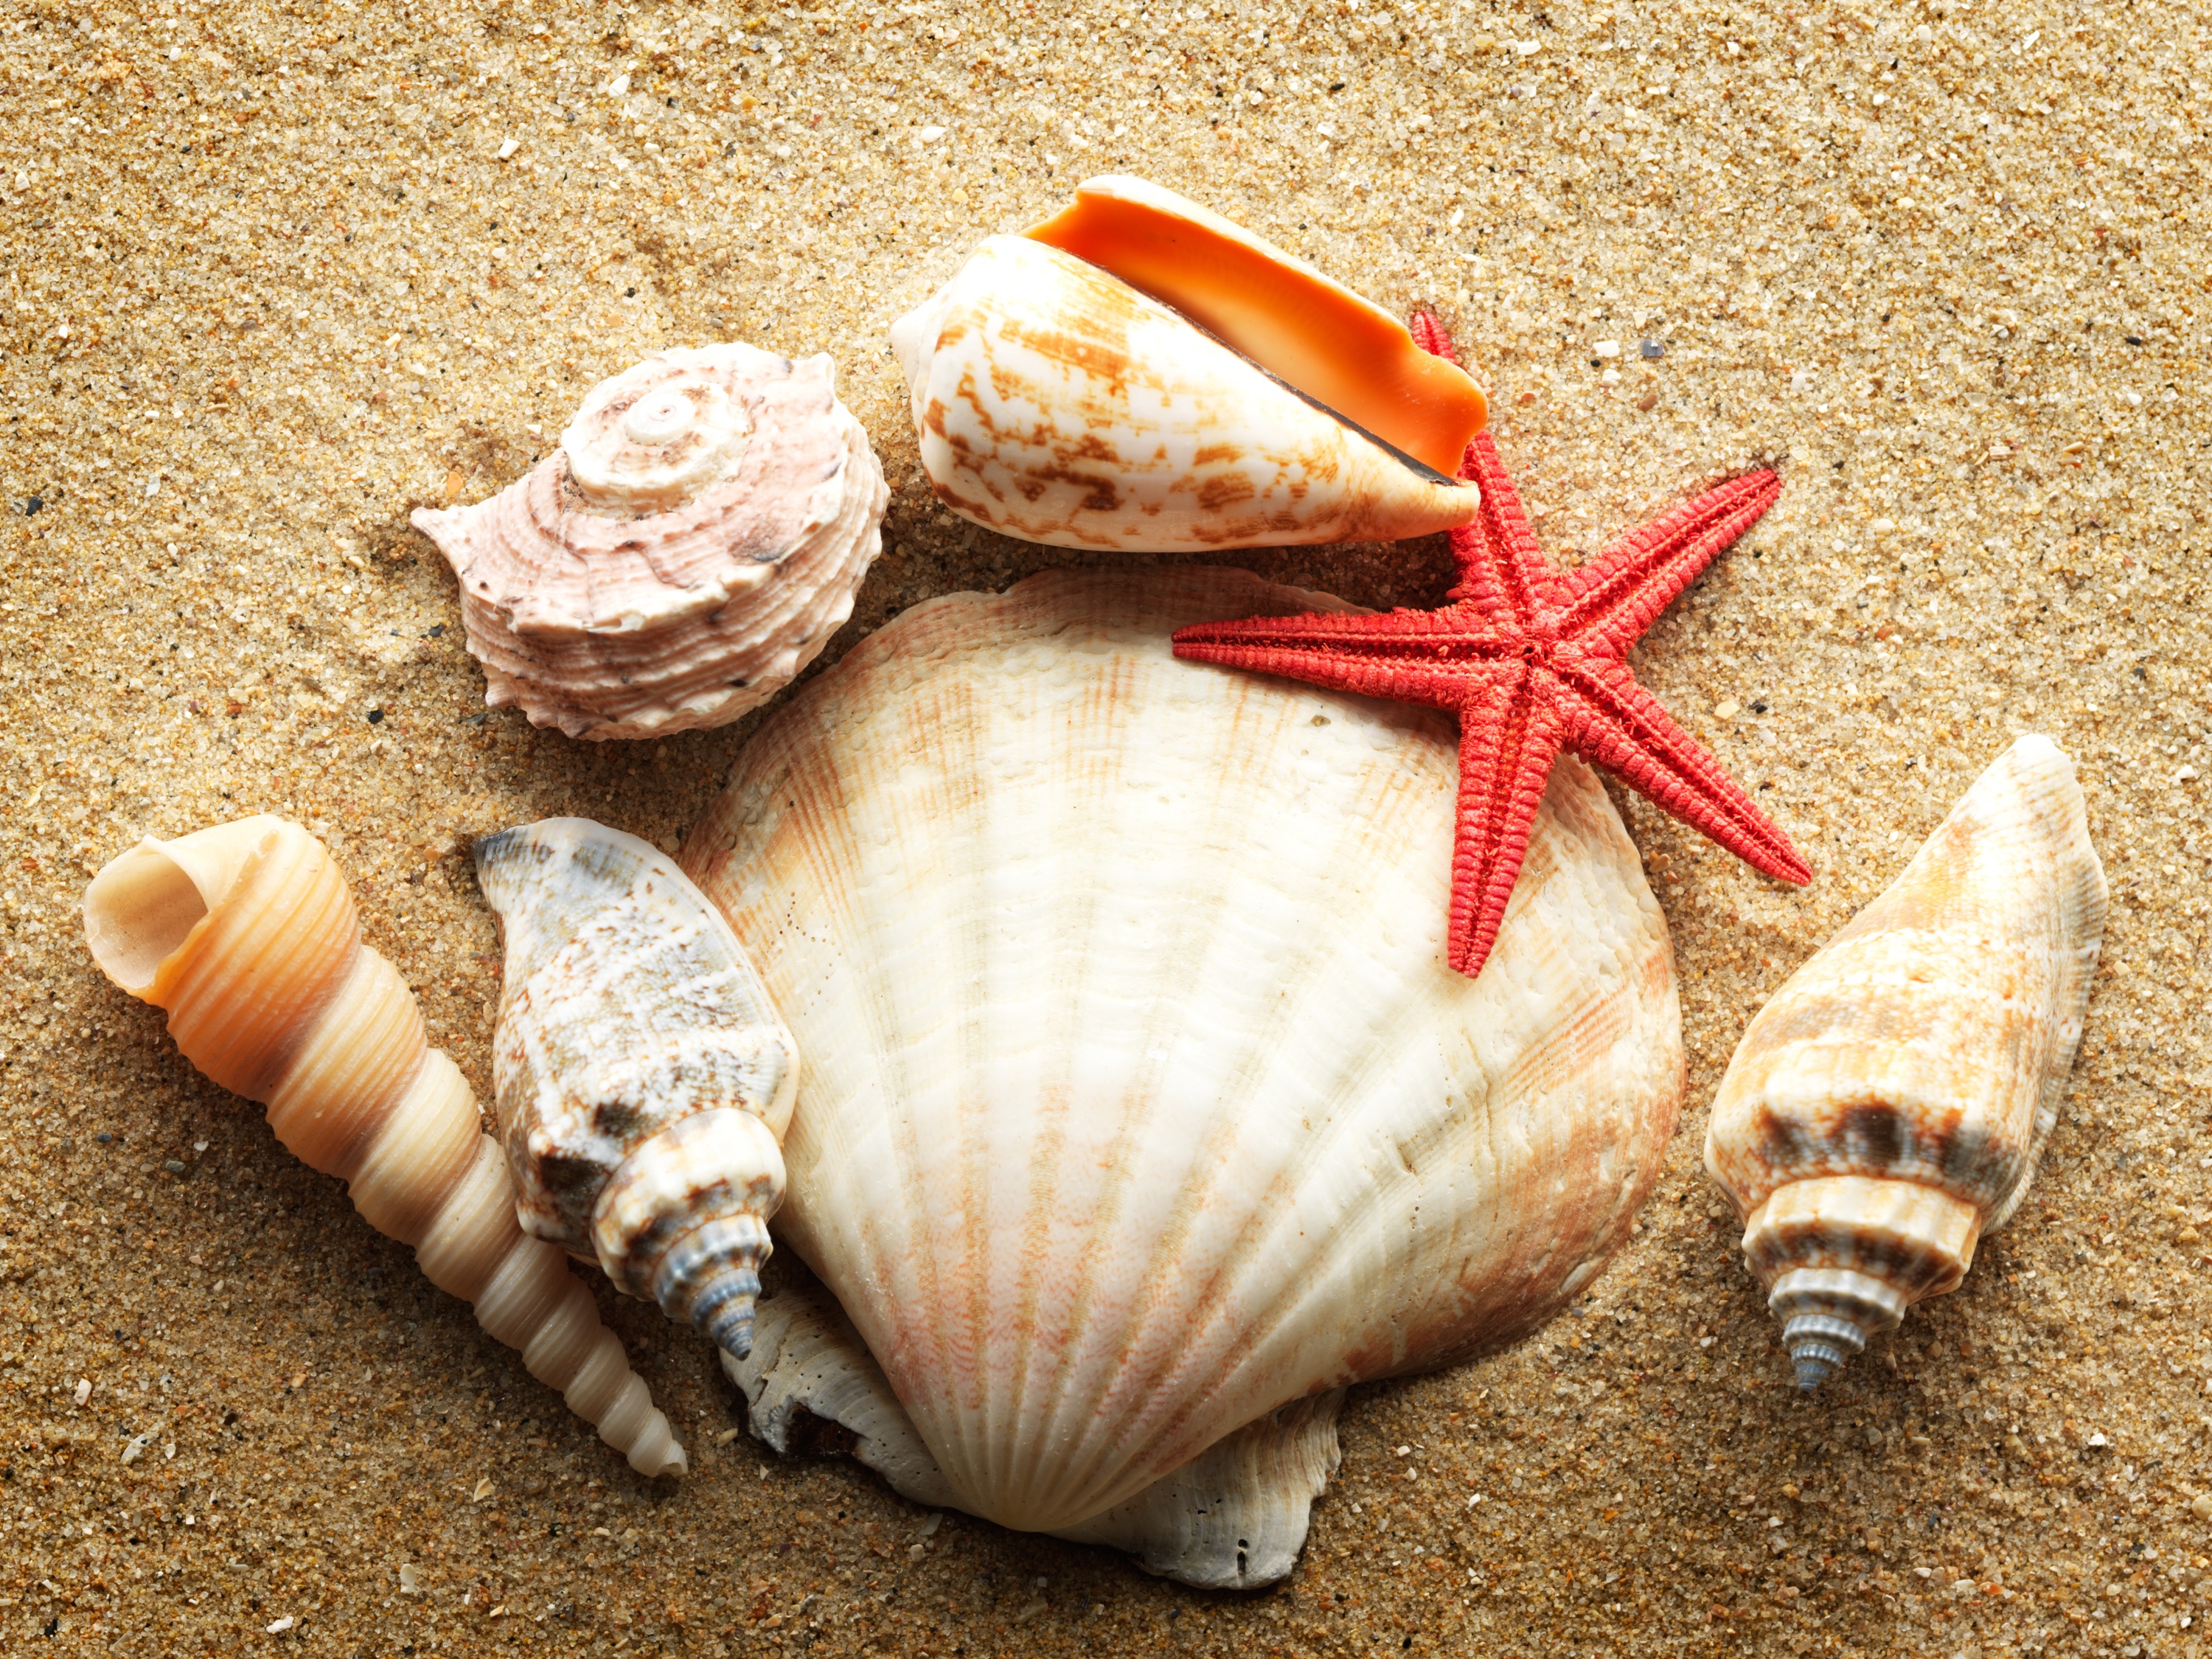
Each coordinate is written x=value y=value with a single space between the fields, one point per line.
x=1533 y=660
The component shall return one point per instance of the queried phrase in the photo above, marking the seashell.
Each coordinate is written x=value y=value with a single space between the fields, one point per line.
x=1139 y=372
x=643 y=1077
x=1887 y=1108
x=247 y=935
x=1141 y=1102
x=692 y=544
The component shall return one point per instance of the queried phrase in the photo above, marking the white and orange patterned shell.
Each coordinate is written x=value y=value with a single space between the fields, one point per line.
x=1139 y=374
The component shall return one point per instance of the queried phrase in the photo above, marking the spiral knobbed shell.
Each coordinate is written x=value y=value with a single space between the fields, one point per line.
x=247 y=935
x=1888 y=1108
x=643 y=1077
x=696 y=539
x=1140 y=1100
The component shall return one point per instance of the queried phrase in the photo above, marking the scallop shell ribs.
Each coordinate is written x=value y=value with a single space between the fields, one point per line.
x=1139 y=372
x=1887 y=1108
x=692 y=544
x=247 y=935
x=644 y=1079
x=1118 y=1136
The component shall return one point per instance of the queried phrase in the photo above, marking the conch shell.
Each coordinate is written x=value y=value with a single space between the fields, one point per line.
x=1122 y=1132
x=247 y=935
x=644 y=1079
x=692 y=544
x=1139 y=372
x=1887 y=1108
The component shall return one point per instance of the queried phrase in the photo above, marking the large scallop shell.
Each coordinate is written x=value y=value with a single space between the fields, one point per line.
x=1139 y=372
x=1140 y=1100
x=643 y=1077
x=1887 y=1108
x=247 y=935
x=690 y=546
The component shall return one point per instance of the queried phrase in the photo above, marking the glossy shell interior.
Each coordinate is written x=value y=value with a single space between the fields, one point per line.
x=1343 y=351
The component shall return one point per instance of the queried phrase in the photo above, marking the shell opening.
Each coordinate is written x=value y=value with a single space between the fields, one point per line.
x=137 y=912
x=1333 y=347
x=142 y=905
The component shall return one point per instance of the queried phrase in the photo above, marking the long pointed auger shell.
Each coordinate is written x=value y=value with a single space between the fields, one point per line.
x=1121 y=1131
x=247 y=935
x=1886 y=1110
x=1139 y=372
x=644 y=1079
x=692 y=543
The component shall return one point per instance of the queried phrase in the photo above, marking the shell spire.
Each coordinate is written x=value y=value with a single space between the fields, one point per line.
x=247 y=935
x=1886 y=1110
x=644 y=1078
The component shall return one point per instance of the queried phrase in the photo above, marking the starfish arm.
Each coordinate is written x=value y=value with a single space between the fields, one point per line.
x=1413 y=656
x=1509 y=738
x=1610 y=601
x=1502 y=571
x=1615 y=723
x=1430 y=334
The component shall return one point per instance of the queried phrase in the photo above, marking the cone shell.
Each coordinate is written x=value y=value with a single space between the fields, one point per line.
x=247 y=935
x=1140 y=1100
x=644 y=1079
x=1888 y=1108
x=692 y=544
x=1056 y=402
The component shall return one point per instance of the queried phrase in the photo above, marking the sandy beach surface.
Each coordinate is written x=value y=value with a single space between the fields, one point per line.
x=274 y=276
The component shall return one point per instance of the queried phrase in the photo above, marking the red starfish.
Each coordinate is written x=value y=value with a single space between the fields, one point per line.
x=1534 y=661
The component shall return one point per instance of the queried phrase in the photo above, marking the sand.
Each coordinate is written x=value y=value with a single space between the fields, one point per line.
x=268 y=285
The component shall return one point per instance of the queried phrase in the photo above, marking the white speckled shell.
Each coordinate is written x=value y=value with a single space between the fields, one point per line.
x=1887 y=1108
x=1055 y=403
x=1140 y=1099
x=644 y=1078
x=692 y=544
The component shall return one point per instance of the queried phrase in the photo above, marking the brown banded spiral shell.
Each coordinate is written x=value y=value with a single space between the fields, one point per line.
x=1885 y=1111
x=643 y=1077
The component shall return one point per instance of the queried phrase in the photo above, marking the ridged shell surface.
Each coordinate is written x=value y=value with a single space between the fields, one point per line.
x=1055 y=403
x=1888 y=1108
x=1140 y=1101
x=690 y=546
x=246 y=934
x=643 y=1077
